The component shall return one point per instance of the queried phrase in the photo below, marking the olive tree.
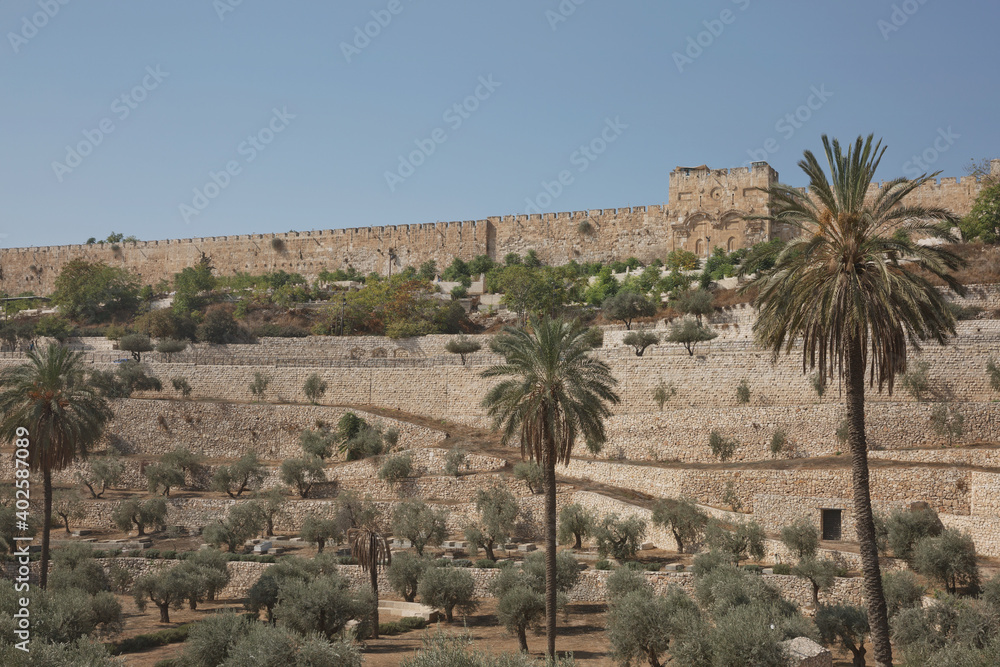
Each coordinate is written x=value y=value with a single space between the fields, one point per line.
x=905 y=528
x=697 y=302
x=136 y=344
x=801 y=538
x=949 y=558
x=641 y=624
x=902 y=591
x=166 y=589
x=244 y=520
x=722 y=447
x=404 y=574
x=819 y=572
x=152 y=512
x=619 y=538
x=67 y=506
x=395 y=469
x=317 y=530
x=626 y=306
x=575 y=523
x=163 y=475
x=640 y=340
x=170 y=347
x=498 y=511
x=689 y=333
x=682 y=517
x=302 y=473
x=104 y=471
x=324 y=604
x=447 y=588
x=247 y=473
x=530 y=473
x=314 y=387
x=420 y=523
x=746 y=540
x=846 y=624
x=463 y=347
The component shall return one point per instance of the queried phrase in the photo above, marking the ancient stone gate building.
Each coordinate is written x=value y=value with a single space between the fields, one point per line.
x=707 y=209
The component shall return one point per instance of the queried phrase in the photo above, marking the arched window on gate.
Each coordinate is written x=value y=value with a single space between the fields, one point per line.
x=731 y=244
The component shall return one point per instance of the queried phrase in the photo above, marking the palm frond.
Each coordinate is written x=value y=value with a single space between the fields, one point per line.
x=850 y=277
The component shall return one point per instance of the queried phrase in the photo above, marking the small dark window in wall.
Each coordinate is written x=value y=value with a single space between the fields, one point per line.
x=831 y=524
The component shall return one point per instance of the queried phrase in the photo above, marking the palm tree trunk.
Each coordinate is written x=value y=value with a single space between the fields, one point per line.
x=550 y=549
x=863 y=518
x=43 y=573
x=374 y=575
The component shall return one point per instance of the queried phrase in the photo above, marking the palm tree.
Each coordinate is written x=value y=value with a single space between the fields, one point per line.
x=64 y=415
x=851 y=290
x=553 y=392
x=371 y=549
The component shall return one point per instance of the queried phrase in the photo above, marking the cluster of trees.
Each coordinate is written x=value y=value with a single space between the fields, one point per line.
x=398 y=307
x=983 y=221
x=67 y=617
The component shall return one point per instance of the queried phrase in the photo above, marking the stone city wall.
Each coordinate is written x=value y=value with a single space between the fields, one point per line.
x=707 y=210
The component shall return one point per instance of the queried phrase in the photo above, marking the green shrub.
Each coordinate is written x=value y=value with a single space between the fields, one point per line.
x=603 y=564
x=782 y=568
x=169 y=554
x=485 y=564
x=151 y=553
x=916 y=381
x=151 y=640
x=454 y=461
x=778 y=441
x=396 y=469
x=743 y=392
x=461 y=562
x=413 y=623
x=390 y=628
x=722 y=447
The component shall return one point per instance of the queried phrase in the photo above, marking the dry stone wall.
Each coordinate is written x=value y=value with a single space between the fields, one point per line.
x=229 y=430
x=591 y=587
x=947 y=490
x=681 y=434
x=453 y=392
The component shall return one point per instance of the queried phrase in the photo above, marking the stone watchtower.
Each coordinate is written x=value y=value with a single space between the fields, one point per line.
x=708 y=205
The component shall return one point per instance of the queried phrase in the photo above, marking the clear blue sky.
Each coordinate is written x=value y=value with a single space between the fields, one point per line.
x=554 y=85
